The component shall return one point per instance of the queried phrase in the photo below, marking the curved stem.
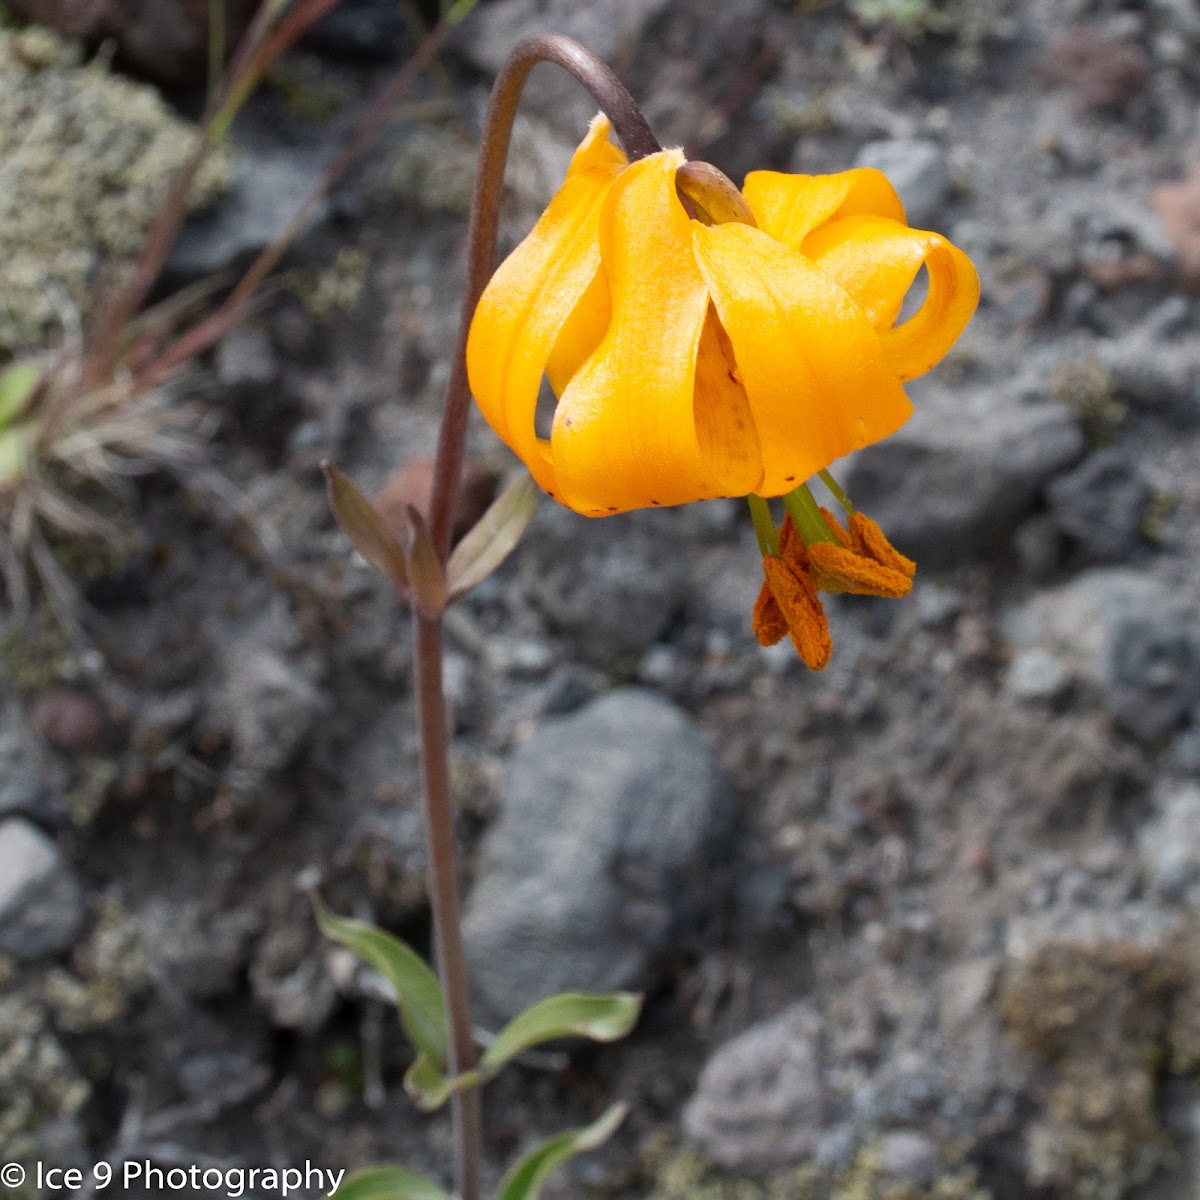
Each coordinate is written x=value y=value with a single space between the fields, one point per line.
x=635 y=134
x=637 y=138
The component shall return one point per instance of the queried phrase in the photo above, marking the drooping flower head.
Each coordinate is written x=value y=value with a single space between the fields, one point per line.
x=698 y=353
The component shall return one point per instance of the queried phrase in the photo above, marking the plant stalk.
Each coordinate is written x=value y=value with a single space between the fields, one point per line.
x=638 y=140
x=443 y=897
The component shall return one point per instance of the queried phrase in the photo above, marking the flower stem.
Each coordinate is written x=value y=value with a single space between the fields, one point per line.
x=443 y=897
x=638 y=140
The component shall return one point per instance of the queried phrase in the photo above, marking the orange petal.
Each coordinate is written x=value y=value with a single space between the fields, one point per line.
x=789 y=207
x=532 y=296
x=837 y=569
x=876 y=261
x=797 y=598
x=625 y=432
x=768 y=620
x=815 y=373
x=870 y=540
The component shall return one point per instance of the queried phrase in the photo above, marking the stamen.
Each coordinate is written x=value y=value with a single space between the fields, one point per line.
x=764 y=526
x=870 y=540
x=797 y=598
x=768 y=621
x=803 y=510
x=837 y=569
x=836 y=491
x=837 y=529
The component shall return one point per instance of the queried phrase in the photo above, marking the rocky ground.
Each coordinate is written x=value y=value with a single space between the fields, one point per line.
x=924 y=925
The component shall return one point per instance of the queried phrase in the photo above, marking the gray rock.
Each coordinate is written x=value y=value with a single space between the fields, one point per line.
x=760 y=1101
x=910 y=1157
x=963 y=470
x=612 y=586
x=918 y=171
x=1128 y=634
x=268 y=189
x=597 y=858
x=1035 y=674
x=1102 y=503
x=27 y=774
x=1170 y=845
x=1153 y=373
x=41 y=901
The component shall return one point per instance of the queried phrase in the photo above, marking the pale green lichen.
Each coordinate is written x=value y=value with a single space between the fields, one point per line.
x=38 y=1080
x=865 y=1179
x=86 y=162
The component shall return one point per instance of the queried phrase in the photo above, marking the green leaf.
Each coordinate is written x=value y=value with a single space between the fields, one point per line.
x=601 y=1018
x=418 y=993
x=428 y=1088
x=16 y=386
x=363 y=525
x=492 y=538
x=524 y=1180
x=428 y=578
x=389 y=1183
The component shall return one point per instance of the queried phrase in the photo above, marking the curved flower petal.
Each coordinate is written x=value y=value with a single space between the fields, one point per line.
x=625 y=432
x=789 y=207
x=814 y=370
x=876 y=261
x=533 y=295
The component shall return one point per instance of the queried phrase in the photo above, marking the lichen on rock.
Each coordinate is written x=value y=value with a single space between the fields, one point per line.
x=86 y=162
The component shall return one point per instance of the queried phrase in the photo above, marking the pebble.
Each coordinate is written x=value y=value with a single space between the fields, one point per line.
x=599 y=855
x=67 y=718
x=1036 y=674
x=917 y=170
x=910 y=1157
x=1130 y=635
x=26 y=766
x=1170 y=845
x=41 y=901
x=760 y=1100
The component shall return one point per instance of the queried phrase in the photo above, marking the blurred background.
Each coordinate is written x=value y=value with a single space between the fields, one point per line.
x=923 y=925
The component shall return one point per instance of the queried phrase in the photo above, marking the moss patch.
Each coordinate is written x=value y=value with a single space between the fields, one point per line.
x=86 y=161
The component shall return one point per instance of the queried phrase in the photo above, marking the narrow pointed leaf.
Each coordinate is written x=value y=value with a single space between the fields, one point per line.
x=601 y=1018
x=492 y=538
x=525 y=1179
x=390 y=1183
x=16 y=386
x=418 y=992
x=363 y=525
x=429 y=1088
x=425 y=569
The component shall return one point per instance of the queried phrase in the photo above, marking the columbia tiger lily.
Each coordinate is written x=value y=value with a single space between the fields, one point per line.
x=700 y=349
x=691 y=360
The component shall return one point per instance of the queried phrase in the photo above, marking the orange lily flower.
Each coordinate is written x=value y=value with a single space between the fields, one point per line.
x=694 y=360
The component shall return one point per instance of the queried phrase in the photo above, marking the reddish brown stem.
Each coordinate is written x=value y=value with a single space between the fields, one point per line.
x=639 y=141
